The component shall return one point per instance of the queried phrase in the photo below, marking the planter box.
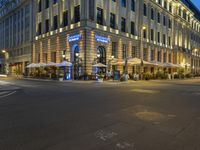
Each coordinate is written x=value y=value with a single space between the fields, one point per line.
x=60 y=79
x=100 y=80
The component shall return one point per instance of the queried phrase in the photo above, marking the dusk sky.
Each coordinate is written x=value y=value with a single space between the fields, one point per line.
x=197 y=3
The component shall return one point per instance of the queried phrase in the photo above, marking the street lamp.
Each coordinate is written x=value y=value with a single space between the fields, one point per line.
x=194 y=60
x=109 y=62
x=98 y=55
x=6 y=57
x=64 y=55
x=141 y=49
x=77 y=60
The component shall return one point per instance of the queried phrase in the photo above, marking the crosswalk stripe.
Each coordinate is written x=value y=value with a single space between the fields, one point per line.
x=8 y=94
x=4 y=92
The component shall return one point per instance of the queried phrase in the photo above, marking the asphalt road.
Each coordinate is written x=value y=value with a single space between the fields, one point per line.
x=152 y=115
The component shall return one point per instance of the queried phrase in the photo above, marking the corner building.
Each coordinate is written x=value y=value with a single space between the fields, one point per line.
x=157 y=31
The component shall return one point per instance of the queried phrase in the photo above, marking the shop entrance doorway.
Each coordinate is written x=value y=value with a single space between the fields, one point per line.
x=76 y=61
x=101 y=51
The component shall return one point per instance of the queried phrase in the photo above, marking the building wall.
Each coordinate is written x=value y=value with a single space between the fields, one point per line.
x=16 y=33
x=181 y=39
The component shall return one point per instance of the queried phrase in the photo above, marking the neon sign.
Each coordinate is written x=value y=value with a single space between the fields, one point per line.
x=74 y=38
x=101 y=39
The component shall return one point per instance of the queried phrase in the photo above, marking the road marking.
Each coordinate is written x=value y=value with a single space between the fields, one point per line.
x=8 y=94
x=4 y=82
x=3 y=92
x=145 y=91
x=125 y=145
x=104 y=135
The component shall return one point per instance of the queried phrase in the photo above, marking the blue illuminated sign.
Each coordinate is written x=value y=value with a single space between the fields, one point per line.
x=74 y=38
x=101 y=39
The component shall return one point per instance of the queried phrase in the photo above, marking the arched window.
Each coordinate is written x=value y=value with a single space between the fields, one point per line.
x=102 y=54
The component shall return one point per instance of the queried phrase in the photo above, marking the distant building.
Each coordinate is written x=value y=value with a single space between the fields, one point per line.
x=16 y=33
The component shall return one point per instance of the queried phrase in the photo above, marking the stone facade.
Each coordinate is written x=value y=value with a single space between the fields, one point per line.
x=17 y=33
x=164 y=31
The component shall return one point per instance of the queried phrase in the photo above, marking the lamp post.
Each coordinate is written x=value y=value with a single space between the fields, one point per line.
x=141 y=50
x=194 y=61
x=77 y=61
x=96 y=60
x=193 y=69
x=6 y=57
x=64 y=55
x=98 y=56
x=109 y=62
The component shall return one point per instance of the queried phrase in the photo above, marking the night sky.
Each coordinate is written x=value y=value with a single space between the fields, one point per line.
x=197 y=3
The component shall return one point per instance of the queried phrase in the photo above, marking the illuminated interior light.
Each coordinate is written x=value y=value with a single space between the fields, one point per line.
x=117 y=31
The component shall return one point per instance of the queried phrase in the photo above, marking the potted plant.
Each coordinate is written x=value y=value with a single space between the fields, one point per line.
x=100 y=77
x=85 y=76
x=61 y=76
x=147 y=76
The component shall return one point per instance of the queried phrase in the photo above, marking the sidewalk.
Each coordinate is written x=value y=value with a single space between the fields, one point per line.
x=81 y=81
x=94 y=81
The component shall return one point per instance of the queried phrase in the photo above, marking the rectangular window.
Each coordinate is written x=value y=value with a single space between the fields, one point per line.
x=145 y=10
x=112 y=20
x=39 y=28
x=170 y=8
x=55 y=1
x=165 y=57
x=114 y=49
x=47 y=25
x=145 y=54
x=91 y=10
x=164 y=39
x=124 y=53
x=46 y=4
x=158 y=37
x=158 y=17
x=169 y=23
x=132 y=28
x=55 y=22
x=144 y=33
x=99 y=16
x=164 y=20
x=152 y=35
x=152 y=14
x=184 y=15
x=123 y=3
x=77 y=14
x=159 y=56
x=160 y=2
x=65 y=18
x=133 y=5
x=169 y=41
x=170 y=58
x=134 y=53
x=123 y=24
x=165 y=4
x=152 y=55
x=39 y=6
